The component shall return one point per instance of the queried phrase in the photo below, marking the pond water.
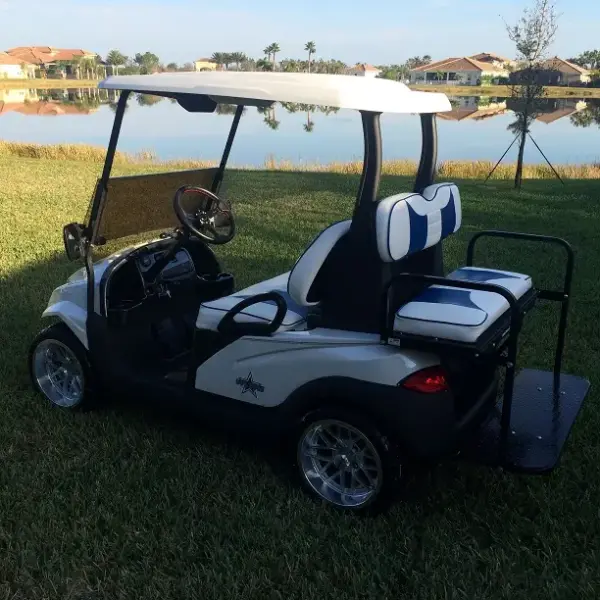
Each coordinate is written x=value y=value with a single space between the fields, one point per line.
x=477 y=129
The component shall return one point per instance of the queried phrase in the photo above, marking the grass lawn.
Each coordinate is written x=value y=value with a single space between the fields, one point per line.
x=122 y=503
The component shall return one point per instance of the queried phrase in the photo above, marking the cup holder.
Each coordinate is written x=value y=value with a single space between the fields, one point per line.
x=217 y=285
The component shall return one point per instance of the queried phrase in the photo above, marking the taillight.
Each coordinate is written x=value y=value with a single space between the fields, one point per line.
x=428 y=381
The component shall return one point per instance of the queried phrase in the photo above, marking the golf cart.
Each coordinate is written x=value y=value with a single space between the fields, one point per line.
x=366 y=353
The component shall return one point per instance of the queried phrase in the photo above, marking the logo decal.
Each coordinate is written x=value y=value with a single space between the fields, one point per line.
x=249 y=385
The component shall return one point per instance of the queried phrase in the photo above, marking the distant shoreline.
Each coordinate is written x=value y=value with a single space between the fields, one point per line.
x=449 y=169
x=451 y=90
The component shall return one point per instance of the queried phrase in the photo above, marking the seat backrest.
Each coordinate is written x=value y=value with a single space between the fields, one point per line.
x=409 y=223
x=307 y=267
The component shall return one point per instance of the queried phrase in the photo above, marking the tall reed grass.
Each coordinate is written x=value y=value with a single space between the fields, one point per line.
x=451 y=169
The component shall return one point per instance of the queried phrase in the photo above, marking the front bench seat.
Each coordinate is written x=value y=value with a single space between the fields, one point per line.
x=295 y=286
x=410 y=223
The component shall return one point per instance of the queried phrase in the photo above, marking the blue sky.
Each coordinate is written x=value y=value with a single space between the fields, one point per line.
x=377 y=31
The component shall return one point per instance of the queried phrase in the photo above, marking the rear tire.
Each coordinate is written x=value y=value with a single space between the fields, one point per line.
x=344 y=461
x=60 y=369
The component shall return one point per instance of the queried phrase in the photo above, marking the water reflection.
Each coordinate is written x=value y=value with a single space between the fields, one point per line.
x=85 y=101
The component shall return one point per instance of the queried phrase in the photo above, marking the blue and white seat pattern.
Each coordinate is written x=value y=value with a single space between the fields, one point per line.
x=460 y=315
x=410 y=223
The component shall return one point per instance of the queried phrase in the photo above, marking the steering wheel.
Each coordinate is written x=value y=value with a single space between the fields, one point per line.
x=204 y=215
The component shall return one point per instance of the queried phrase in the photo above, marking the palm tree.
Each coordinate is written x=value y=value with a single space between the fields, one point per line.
x=238 y=58
x=116 y=60
x=274 y=50
x=311 y=48
x=309 y=125
x=268 y=51
x=219 y=58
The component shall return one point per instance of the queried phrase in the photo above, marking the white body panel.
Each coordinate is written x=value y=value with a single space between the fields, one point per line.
x=68 y=302
x=340 y=91
x=281 y=364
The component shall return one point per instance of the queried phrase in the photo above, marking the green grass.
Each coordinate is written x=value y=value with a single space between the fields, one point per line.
x=125 y=503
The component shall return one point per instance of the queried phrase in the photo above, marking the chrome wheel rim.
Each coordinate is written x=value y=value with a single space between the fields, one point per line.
x=58 y=373
x=340 y=463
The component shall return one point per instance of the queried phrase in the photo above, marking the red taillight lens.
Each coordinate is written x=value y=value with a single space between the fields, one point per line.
x=427 y=381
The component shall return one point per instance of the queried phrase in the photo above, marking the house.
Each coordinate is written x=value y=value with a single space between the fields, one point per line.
x=550 y=110
x=46 y=58
x=13 y=68
x=205 y=64
x=462 y=71
x=473 y=108
x=556 y=71
x=363 y=70
x=494 y=59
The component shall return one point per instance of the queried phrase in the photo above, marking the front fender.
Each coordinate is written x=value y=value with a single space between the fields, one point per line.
x=74 y=317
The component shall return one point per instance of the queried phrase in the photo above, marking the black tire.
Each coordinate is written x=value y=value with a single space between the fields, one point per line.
x=387 y=451
x=62 y=334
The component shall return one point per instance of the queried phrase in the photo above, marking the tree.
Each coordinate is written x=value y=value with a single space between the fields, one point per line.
x=219 y=58
x=147 y=62
x=188 y=66
x=172 y=67
x=588 y=116
x=273 y=50
x=148 y=99
x=238 y=58
x=418 y=61
x=264 y=65
x=311 y=48
x=589 y=60
x=115 y=59
x=532 y=35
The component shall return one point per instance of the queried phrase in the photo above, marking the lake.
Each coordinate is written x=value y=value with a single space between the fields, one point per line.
x=477 y=129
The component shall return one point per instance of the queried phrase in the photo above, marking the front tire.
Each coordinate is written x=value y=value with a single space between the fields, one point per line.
x=345 y=461
x=60 y=369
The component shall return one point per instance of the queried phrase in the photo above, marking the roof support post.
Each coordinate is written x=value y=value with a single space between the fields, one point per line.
x=234 y=125
x=369 y=181
x=429 y=151
x=108 y=163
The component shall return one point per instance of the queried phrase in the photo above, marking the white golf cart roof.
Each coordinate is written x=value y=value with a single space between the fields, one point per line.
x=259 y=88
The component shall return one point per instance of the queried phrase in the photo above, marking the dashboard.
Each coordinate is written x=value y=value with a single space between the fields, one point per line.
x=181 y=266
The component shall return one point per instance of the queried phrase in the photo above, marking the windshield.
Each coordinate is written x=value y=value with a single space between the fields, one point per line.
x=139 y=204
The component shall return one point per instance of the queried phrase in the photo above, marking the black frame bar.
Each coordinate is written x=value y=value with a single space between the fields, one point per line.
x=108 y=163
x=552 y=295
x=371 y=173
x=512 y=342
x=429 y=151
x=227 y=150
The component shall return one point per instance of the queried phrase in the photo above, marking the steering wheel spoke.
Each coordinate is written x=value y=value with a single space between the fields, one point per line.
x=199 y=218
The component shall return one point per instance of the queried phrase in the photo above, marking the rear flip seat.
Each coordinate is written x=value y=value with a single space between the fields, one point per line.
x=457 y=314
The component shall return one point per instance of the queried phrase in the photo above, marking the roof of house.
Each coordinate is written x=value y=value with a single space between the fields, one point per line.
x=44 y=109
x=259 y=89
x=490 y=55
x=208 y=60
x=48 y=54
x=458 y=64
x=559 y=64
x=365 y=67
x=7 y=59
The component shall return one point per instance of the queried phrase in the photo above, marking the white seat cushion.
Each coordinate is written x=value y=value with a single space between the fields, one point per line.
x=456 y=314
x=211 y=313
